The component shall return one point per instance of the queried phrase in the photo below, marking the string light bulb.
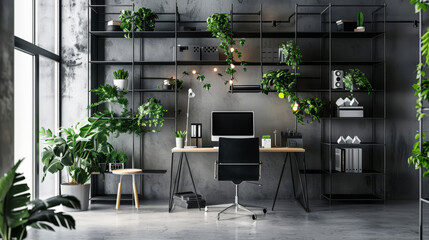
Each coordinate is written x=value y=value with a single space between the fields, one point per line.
x=232 y=66
x=194 y=71
x=231 y=82
x=214 y=69
x=295 y=106
x=232 y=49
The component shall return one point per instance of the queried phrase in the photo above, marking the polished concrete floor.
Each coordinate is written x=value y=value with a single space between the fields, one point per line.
x=394 y=220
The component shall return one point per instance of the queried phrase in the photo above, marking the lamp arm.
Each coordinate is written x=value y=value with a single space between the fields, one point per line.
x=187 y=122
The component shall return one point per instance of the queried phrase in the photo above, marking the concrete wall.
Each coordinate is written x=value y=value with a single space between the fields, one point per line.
x=271 y=112
x=6 y=87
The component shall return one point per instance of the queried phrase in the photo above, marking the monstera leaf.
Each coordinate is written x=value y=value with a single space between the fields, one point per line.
x=14 y=197
x=40 y=214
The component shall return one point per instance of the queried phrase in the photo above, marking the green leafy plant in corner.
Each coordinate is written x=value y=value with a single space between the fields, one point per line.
x=313 y=107
x=420 y=159
x=292 y=53
x=218 y=24
x=359 y=19
x=180 y=134
x=143 y=19
x=109 y=94
x=120 y=74
x=17 y=212
x=356 y=78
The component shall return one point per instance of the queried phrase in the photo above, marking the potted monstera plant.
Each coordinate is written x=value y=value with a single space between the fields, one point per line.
x=74 y=151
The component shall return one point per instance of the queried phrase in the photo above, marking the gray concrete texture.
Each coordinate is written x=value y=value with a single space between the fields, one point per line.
x=270 y=112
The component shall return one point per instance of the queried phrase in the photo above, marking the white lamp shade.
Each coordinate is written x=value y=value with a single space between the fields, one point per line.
x=191 y=94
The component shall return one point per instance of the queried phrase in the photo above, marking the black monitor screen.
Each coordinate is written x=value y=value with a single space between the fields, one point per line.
x=232 y=123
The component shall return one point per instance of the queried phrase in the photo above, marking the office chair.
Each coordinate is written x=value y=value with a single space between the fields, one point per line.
x=238 y=161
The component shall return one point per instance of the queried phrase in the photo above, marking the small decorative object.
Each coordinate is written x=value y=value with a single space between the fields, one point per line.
x=121 y=79
x=356 y=140
x=346 y=102
x=114 y=166
x=360 y=27
x=180 y=138
x=113 y=25
x=167 y=84
x=341 y=140
x=209 y=53
x=275 y=138
x=340 y=102
x=266 y=141
x=345 y=25
x=188 y=53
x=349 y=140
x=354 y=102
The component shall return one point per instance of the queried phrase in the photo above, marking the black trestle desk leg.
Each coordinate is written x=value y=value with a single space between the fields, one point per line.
x=193 y=183
x=171 y=183
x=280 y=181
x=292 y=175
x=304 y=198
x=176 y=181
x=305 y=183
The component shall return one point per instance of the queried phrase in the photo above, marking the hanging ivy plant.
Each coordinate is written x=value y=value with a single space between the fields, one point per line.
x=218 y=24
x=420 y=159
x=285 y=83
x=291 y=53
x=356 y=78
x=143 y=18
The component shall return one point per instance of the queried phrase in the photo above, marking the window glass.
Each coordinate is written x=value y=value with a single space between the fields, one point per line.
x=47 y=25
x=23 y=17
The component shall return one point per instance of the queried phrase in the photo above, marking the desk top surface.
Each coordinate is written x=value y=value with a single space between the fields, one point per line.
x=215 y=150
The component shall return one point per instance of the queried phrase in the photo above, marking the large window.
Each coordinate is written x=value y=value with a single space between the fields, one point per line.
x=36 y=87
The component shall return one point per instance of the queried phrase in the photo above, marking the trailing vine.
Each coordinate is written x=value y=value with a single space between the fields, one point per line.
x=292 y=53
x=355 y=77
x=420 y=152
x=143 y=19
x=285 y=84
x=218 y=24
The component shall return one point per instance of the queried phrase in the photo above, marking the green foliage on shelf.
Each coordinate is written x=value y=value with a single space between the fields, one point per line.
x=17 y=212
x=218 y=24
x=180 y=134
x=109 y=94
x=120 y=74
x=355 y=77
x=284 y=82
x=143 y=19
x=151 y=114
x=360 y=19
x=292 y=53
x=420 y=159
x=419 y=5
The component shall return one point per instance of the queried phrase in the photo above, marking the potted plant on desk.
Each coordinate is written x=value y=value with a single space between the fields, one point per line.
x=180 y=138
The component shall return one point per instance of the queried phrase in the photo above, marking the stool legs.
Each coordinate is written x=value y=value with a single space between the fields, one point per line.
x=136 y=196
x=118 y=198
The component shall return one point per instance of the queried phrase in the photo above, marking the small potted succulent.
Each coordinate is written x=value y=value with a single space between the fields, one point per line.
x=180 y=138
x=359 y=23
x=116 y=160
x=266 y=141
x=121 y=79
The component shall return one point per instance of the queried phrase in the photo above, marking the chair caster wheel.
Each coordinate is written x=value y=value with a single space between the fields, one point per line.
x=264 y=210
x=254 y=217
x=206 y=209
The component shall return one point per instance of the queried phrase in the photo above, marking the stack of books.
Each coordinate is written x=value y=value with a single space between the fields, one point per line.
x=348 y=160
x=187 y=200
x=196 y=135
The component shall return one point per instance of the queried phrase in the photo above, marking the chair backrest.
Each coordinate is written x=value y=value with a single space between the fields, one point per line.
x=238 y=159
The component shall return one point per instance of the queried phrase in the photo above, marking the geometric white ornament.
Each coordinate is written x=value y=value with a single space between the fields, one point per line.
x=349 y=140
x=356 y=140
x=340 y=102
x=341 y=140
x=354 y=102
x=347 y=101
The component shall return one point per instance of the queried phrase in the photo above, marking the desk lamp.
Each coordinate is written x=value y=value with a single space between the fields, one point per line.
x=191 y=94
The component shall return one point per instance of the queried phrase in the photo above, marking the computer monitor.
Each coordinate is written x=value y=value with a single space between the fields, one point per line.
x=232 y=124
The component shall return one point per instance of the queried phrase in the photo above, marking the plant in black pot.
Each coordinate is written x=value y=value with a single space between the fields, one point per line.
x=143 y=19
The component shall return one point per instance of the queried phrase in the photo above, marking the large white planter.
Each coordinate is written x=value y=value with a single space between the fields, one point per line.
x=179 y=142
x=122 y=84
x=81 y=192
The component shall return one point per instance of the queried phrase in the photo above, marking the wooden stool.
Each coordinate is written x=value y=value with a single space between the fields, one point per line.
x=122 y=172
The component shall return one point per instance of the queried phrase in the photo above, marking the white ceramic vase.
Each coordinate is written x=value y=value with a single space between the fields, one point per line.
x=179 y=142
x=122 y=84
x=80 y=191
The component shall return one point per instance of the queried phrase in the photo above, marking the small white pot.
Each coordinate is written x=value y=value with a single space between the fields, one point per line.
x=122 y=84
x=266 y=142
x=179 y=142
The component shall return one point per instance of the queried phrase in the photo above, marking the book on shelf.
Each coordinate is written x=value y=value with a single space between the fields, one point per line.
x=348 y=160
x=196 y=135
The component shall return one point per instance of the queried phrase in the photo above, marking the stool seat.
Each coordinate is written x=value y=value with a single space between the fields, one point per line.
x=126 y=171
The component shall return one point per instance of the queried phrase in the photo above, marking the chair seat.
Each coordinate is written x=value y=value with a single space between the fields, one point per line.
x=126 y=171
